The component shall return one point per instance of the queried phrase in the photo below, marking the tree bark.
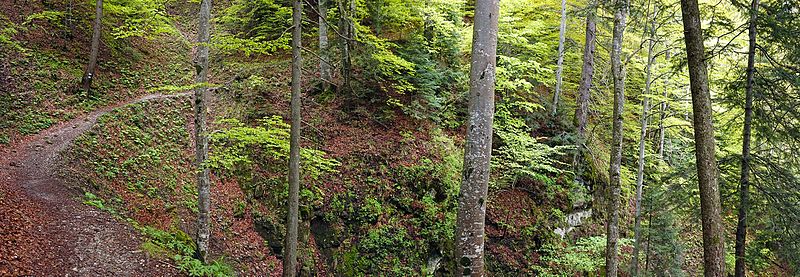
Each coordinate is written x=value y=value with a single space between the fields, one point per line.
x=587 y=72
x=346 y=26
x=744 y=190
x=643 y=136
x=201 y=132
x=290 y=255
x=713 y=239
x=477 y=155
x=560 y=65
x=612 y=228
x=88 y=75
x=324 y=67
x=663 y=115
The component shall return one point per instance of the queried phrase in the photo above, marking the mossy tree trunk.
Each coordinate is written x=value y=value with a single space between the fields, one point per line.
x=614 y=186
x=584 y=90
x=713 y=239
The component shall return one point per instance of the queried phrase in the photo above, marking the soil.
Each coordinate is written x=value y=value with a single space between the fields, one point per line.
x=46 y=230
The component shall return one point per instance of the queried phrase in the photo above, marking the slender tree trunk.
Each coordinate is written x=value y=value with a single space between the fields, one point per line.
x=713 y=237
x=477 y=155
x=637 y=229
x=347 y=28
x=560 y=67
x=582 y=110
x=649 y=235
x=663 y=115
x=744 y=190
x=324 y=67
x=618 y=72
x=290 y=255
x=201 y=132
x=88 y=75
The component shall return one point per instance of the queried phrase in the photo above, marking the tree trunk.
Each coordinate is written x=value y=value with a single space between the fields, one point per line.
x=663 y=114
x=560 y=67
x=88 y=75
x=582 y=110
x=201 y=132
x=643 y=136
x=612 y=230
x=713 y=239
x=477 y=155
x=346 y=27
x=324 y=67
x=744 y=190
x=290 y=254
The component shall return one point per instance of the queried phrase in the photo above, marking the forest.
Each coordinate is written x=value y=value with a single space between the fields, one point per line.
x=400 y=138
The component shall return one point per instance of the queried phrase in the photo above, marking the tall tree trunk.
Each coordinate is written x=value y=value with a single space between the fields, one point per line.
x=744 y=190
x=560 y=67
x=477 y=155
x=582 y=110
x=290 y=255
x=713 y=239
x=663 y=115
x=618 y=72
x=324 y=67
x=347 y=28
x=201 y=132
x=88 y=75
x=637 y=229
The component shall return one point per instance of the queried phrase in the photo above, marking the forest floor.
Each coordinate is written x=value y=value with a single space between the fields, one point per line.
x=45 y=230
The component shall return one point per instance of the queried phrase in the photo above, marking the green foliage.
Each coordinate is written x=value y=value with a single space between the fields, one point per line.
x=586 y=256
x=139 y=18
x=382 y=250
x=254 y=27
x=521 y=155
x=238 y=145
x=54 y=18
x=181 y=246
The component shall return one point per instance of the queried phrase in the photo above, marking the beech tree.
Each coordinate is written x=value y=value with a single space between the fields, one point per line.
x=744 y=189
x=88 y=75
x=201 y=132
x=478 y=149
x=290 y=255
x=713 y=236
x=618 y=74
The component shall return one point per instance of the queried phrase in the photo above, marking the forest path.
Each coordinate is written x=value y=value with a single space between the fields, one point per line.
x=45 y=230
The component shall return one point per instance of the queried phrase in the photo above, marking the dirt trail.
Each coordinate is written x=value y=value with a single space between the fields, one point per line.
x=44 y=228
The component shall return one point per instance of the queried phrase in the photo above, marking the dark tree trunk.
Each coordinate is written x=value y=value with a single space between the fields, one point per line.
x=582 y=110
x=201 y=132
x=744 y=190
x=713 y=237
x=347 y=29
x=474 y=186
x=88 y=75
x=290 y=254
x=618 y=72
